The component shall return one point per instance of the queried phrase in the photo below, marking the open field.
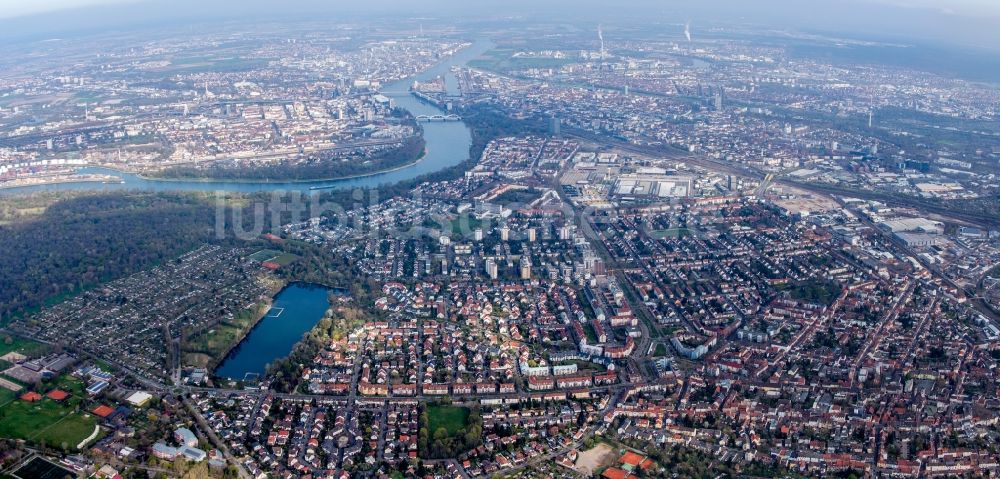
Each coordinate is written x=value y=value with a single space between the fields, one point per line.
x=210 y=345
x=273 y=256
x=592 y=459
x=264 y=255
x=465 y=224
x=198 y=360
x=284 y=259
x=451 y=418
x=47 y=420
x=6 y=396
x=23 y=346
x=198 y=64
x=71 y=430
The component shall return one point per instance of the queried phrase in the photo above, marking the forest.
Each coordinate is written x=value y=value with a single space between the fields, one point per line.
x=86 y=240
x=821 y=292
x=79 y=241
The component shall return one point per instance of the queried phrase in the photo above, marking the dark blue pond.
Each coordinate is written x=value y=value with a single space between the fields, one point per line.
x=296 y=309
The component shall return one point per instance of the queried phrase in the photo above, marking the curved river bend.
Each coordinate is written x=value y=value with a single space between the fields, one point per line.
x=300 y=306
x=447 y=145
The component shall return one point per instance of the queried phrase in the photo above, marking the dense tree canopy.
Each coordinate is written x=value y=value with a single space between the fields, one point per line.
x=84 y=241
x=320 y=166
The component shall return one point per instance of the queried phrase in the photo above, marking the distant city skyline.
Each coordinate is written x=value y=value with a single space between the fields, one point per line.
x=960 y=7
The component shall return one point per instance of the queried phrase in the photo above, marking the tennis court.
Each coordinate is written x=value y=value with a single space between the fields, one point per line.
x=39 y=468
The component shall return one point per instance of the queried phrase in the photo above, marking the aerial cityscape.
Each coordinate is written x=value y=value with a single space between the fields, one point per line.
x=450 y=240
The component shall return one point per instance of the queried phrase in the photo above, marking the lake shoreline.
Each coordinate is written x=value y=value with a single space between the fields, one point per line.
x=234 y=350
x=261 y=312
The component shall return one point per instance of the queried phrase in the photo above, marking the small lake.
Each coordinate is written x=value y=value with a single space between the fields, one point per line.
x=295 y=310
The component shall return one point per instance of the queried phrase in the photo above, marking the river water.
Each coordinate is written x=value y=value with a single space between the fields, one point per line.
x=447 y=145
x=298 y=307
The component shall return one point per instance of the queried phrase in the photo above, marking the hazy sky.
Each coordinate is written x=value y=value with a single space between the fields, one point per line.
x=14 y=8
x=969 y=23
x=956 y=7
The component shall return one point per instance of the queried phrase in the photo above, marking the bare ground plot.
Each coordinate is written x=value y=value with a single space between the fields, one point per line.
x=592 y=459
x=11 y=385
x=13 y=357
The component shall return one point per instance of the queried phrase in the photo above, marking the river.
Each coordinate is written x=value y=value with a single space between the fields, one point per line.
x=447 y=144
x=296 y=309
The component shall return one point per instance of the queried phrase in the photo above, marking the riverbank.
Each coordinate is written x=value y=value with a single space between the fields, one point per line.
x=446 y=144
x=210 y=179
x=50 y=181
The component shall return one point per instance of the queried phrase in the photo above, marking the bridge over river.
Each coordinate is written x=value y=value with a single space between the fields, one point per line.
x=430 y=118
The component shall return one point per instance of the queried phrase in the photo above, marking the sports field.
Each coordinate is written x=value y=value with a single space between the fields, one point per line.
x=57 y=423
x=451 y=418
x=19 y=345
x=38 y=468
x=273 y=256
x=264 y=255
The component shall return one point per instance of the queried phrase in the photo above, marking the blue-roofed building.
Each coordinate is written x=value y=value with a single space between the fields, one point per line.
x=121 y=413
x=194 y=454
x=164 y=451
x=97 y=387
